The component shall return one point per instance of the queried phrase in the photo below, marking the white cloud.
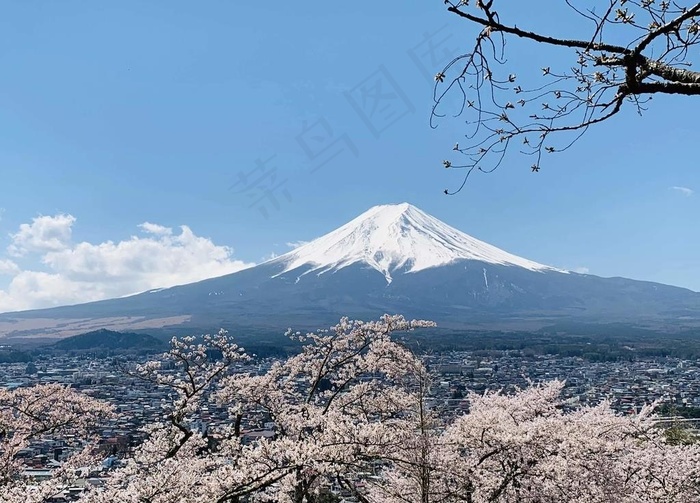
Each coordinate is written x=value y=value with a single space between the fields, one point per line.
x=269 y=256
x=683 y=190
x=85 y=272
x=296 y=244
x=34 y=289
x=8 y=267
x=42 y=235
x=156 y=229
x=581 y=270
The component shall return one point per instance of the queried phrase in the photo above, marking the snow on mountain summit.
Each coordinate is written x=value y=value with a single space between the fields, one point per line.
x=393 y=236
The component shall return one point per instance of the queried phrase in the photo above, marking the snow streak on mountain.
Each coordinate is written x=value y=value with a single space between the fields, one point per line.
x=396 y=237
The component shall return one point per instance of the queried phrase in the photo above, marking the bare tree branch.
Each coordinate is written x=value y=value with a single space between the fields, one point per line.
x=604 y=77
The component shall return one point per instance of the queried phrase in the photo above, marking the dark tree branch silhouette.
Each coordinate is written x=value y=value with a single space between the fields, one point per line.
x=604 y=78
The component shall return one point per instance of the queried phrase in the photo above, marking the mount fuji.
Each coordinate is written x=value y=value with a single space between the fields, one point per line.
x=392 y=258
x=396 y=238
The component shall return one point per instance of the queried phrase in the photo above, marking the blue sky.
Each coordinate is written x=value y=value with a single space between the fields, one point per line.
x=122 y=122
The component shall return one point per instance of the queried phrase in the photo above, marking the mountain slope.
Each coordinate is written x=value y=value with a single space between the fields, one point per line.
x=392 y=258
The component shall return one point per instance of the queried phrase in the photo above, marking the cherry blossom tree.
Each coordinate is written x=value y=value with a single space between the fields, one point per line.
x=176 y=462
x=622 y=52
x=38 y=412
x=337 y=407
x=351 y=412
x=410 y=471
x=525 y=447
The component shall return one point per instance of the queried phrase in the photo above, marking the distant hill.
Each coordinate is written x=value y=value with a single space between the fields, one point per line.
x=110 y=340
x=11 y=355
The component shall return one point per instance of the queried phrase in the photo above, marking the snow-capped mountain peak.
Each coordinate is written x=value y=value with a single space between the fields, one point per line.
x=397 y=236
